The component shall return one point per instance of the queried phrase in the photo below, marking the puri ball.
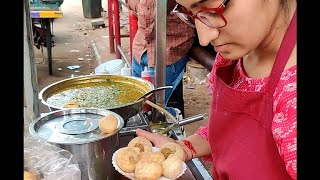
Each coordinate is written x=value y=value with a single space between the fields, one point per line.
x=172 y=148
x=172 y=166
x=151 y=156
x=127 y=159
x=108 y=124
x=148 y=170
x=140 y=144
x=29 y=176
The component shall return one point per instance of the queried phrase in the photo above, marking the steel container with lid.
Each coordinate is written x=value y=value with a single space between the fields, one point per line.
x=77 y=131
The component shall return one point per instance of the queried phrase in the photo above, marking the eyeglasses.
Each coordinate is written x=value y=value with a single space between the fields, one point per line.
x=211 y=17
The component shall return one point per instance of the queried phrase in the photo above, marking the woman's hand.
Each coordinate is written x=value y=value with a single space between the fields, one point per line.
x=156 y=138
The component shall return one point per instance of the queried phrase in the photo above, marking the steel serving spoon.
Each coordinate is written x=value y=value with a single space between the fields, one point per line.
x=154 y=90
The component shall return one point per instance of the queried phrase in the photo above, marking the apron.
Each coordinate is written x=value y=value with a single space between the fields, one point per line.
x=240 y=132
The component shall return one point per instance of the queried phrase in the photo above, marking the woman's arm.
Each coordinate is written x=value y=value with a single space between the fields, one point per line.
x=195 y=146
x=284 y=125
x=133 y=5
x=200 y=144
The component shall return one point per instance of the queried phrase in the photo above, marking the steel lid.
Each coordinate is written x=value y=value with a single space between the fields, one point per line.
x=73 y=126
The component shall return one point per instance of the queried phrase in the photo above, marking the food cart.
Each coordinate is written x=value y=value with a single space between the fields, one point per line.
x=195 y=168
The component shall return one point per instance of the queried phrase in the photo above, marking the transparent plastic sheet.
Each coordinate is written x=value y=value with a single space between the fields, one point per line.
x=49 y=162
x=28 y=116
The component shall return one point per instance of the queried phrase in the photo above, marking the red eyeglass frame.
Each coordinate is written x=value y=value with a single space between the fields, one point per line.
x=217 y=10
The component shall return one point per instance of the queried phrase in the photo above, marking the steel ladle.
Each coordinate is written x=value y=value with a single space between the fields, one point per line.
x=154 y=90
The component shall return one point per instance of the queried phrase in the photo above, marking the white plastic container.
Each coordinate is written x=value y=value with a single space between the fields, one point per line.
x=110 y=67
x=126 y=71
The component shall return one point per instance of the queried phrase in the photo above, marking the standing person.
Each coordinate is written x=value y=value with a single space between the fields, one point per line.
x=252 y=126
x=180 y=37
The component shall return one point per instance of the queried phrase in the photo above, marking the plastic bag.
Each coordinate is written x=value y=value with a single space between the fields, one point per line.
x=28 y=117
x=49 y=162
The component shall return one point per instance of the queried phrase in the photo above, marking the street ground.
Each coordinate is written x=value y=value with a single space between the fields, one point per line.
x=73 y=36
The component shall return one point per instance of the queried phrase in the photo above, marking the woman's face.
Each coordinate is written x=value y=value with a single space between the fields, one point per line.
x=249 y=23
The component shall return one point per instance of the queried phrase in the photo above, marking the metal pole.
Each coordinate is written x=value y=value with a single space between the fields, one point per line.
x=110 y=20
x=30 y=75
x=116 y=18
x=123 y=56
x=160 y=50
x=47 y=22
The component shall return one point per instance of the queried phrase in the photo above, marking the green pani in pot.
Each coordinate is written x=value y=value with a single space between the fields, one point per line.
x=99 y=95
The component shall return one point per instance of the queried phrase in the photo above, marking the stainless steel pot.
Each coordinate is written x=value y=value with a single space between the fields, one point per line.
x=124 y=110
x=77 y=131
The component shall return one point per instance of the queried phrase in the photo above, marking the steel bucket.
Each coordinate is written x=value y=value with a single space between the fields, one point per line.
x=92 y=149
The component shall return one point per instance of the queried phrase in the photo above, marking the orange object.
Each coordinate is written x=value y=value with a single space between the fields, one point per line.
x=145 y=74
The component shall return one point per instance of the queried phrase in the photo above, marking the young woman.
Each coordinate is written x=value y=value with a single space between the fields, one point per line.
x=251 y=132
